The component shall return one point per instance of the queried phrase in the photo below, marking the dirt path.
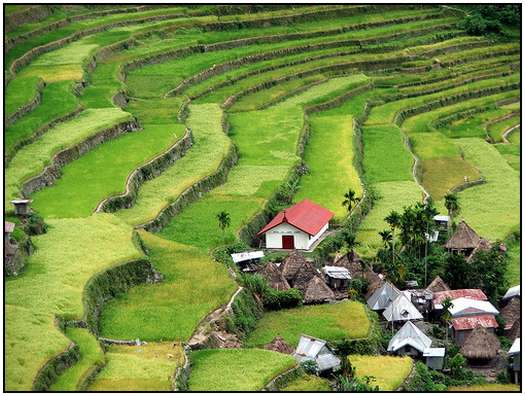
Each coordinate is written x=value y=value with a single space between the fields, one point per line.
x=508 y=132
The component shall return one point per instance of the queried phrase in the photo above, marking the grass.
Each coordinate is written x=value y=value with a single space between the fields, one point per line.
x=511 y=153
x=492 y=208
x=472 y=126
x=32 y=159
x=379 y=168
x=210 y=147
x=193 y=286
x=497 y=129
x=53 y=284
x=486 y=388
x=308 y=383
x=91 y=354
x=147 y=367
x=346 y=319
x=393 y=196
x=19 y=92
x=58 y=100
x=514 y=266
x=389 y=371
x=236 y=369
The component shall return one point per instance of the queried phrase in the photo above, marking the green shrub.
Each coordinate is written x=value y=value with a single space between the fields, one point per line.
x=246 y=312
x=423 y=381
x=309 y=366
x=280 y=299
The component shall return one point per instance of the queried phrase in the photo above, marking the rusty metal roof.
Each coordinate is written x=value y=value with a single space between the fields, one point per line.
x=473 y=294
x=471 y=322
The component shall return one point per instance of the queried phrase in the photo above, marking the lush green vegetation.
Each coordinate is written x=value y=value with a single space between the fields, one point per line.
x=389 y=372
x=193 y=286
x=147 y=367
x=236 y=369
x=330 y=322
x=415 y=56
x=308 y=383
x=91 y=354
x=53 y=284
x=486 y=388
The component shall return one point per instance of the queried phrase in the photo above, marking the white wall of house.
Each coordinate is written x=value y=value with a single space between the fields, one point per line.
x=302 y=240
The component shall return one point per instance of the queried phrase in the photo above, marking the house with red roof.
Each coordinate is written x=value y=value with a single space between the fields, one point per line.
x=297 y=227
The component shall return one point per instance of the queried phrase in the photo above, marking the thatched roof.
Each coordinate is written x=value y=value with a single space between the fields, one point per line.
x=317 y=291
x=278 y=344
x=438 y=285
x=480 y=344
x=355 y=265
x=511 y=312
x=515 y=330
x=464 y=238
x=274 y=277
x=291 y=264
x=304 y=276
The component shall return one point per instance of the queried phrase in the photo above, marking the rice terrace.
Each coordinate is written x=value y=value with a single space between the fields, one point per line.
x=248 y=197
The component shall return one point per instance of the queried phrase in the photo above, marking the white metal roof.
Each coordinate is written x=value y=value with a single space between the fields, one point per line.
x=328 y=361
x=383 y=296
x=409 y=334
x=309 y=346
x=515 y=348
x=466 y=306
x=401 y=309
x=512 y=292
x=336 y=272
x=441 y=218
x=434 y=352
x=244 y=256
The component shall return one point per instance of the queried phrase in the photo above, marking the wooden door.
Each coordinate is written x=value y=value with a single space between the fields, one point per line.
x=288 y=242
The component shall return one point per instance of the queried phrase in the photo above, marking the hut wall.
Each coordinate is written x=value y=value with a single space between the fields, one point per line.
x=435 y=362
x=408 y=351
x=274 y=237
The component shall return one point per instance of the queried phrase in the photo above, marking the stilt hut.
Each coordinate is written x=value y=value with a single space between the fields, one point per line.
x=274 y=277
x=511 y=313
x=464 y=240
x=481 y=346
x=291 y=265
x=318 y=292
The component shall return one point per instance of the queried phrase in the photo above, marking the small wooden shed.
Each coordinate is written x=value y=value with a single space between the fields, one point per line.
x=336 y=277
x=22 y=206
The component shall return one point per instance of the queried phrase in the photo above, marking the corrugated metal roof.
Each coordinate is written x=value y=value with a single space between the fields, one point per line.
x=441 y=218
x=383 y=296
x=434 y=352
x=309 y=346
x=515 y=348
x=474 y=294
x=244 y=256
x=409 y=334
x=8 y=226
x=471 y=322
x=401 y=309
x=512 y=292
x=306 y=216
x=468 y=307
x=328 y=362
x=336 y=272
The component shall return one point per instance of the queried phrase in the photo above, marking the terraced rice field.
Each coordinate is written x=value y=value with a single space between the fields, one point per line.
x=395 y=100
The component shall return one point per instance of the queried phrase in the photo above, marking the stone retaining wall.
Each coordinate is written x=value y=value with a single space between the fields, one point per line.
x=55 y=366
x=283 y=379
x=150 y=170
x=32 y=14
x=52 y=172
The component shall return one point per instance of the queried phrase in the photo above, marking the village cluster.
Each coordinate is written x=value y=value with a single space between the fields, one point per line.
x=469 y=318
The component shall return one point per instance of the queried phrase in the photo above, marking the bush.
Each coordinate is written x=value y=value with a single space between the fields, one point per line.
x=355 y=384
x=503 y=377
x=222 y=254
x=279 y=299
x=423 y=381
x=359 y=284
x=309 y=366
x=246 y=312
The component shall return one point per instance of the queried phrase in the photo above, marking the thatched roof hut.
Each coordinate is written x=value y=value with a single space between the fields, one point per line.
x=438 y=285
x=463 y=238
x=291 y=265
x=481 y=344
x=303 y=276
x=511 y=312
x=278 y=344
x=317 y=291
x=515 y=330
x=274 y=277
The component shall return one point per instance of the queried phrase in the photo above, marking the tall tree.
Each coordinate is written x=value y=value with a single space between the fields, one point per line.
x=386 y=237
x=453 y=207
x=224 y=221
x=350 y=200
x=394 y=221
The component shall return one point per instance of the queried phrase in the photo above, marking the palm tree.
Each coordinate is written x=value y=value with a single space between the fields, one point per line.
x=394 y=221
x=453 y=207
x=350 y=200
x=224 y=221
x=446 y=316
x=349 y=241
x=343 y=349
x=386 y=237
